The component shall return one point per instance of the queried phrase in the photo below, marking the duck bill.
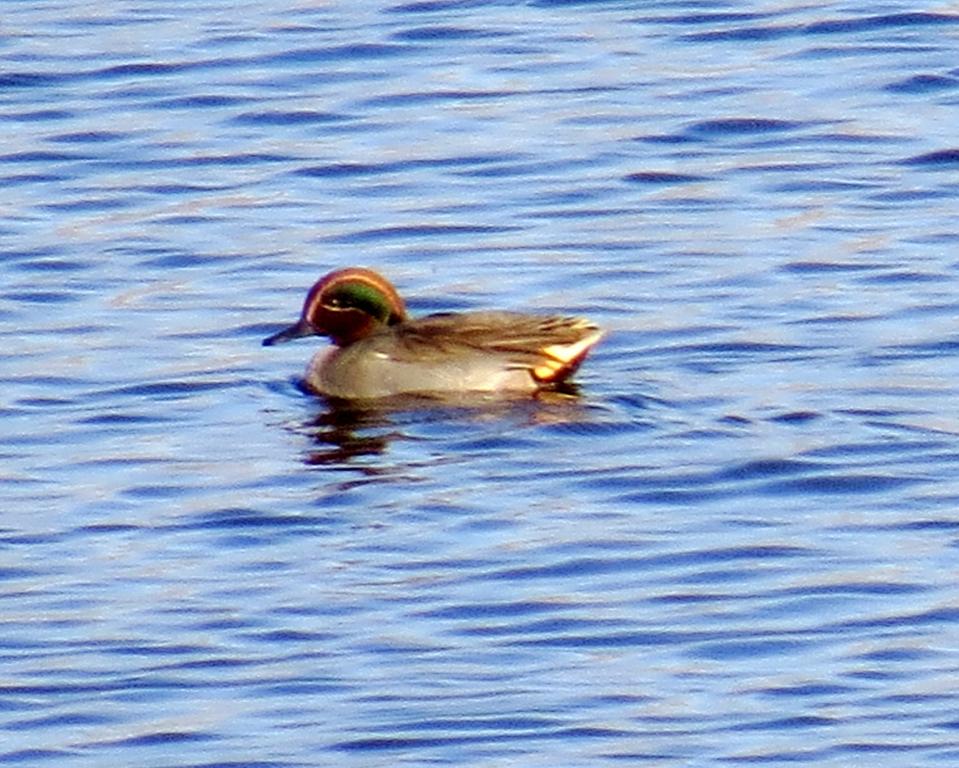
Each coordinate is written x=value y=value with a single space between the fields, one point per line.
x=296 y=331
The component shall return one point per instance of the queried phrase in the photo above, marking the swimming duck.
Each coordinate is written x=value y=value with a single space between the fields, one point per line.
x=379 y=351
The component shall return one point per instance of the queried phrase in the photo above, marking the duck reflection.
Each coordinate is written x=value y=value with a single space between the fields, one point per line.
x=344 y=431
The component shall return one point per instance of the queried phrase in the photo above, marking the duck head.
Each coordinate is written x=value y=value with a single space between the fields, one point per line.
x=346 y=305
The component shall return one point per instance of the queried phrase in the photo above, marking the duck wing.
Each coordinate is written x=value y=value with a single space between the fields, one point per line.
x=549 y=347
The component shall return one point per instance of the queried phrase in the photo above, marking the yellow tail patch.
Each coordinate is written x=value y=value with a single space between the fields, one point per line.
x=559 y=358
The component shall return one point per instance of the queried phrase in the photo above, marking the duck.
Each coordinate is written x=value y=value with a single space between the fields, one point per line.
x=377 y=350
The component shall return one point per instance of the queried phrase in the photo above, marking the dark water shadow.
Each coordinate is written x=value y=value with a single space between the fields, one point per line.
x=344 y=432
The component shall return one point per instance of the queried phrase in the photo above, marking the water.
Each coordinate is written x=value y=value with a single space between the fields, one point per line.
x=737 y=546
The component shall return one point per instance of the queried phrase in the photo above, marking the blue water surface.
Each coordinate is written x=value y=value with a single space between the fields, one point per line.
x=736 y=546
